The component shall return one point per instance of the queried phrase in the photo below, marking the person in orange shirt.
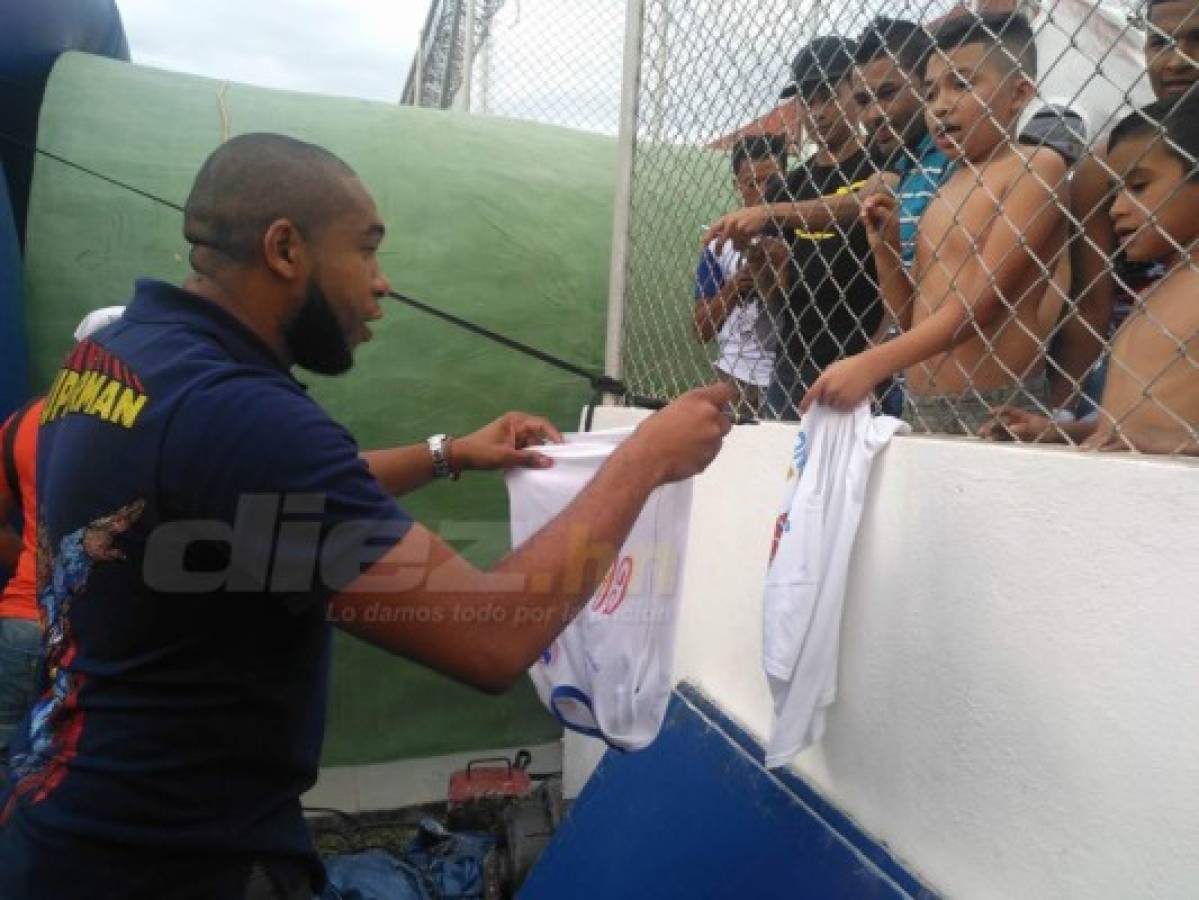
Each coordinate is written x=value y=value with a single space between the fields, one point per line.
x=20 y=629
x=20 y=633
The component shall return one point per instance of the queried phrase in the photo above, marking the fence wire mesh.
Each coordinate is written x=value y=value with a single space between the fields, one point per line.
x=537 y=60
x=1016 y=277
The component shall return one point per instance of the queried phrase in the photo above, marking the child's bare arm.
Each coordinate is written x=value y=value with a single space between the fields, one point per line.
x=880 y=215
x=1092 y=290
x=1025 y=221
x=1154 y=440
x=1011 y=423
x=818 y=214
x=1023 y=226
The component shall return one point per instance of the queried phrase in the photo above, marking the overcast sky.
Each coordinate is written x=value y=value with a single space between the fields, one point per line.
x=352 y=48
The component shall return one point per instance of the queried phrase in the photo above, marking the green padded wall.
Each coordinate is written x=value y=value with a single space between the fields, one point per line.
x=677 y=191
x=501 y=222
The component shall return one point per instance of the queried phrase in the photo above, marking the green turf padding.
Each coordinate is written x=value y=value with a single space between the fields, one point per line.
x=677 y=191
x=501 y=222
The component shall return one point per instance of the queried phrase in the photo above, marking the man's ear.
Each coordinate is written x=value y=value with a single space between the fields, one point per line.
x=284 y=249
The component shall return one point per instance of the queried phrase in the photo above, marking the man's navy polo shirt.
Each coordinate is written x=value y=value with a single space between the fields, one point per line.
x=197 y=510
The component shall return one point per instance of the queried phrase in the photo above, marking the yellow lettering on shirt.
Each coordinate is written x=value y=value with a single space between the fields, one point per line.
x=102 y=406
x=829 y=235
x=51 y=397
x=129 y=406
x=65 y=392
x=85 y=395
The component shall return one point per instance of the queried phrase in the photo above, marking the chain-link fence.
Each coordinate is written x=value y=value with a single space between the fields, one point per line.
x=1007 y=265
x=539 y=60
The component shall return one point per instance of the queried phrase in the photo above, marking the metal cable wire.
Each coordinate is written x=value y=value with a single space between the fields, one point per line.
x=599 y=382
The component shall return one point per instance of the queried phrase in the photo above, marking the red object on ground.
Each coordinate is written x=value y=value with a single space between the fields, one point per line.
x=499 y=779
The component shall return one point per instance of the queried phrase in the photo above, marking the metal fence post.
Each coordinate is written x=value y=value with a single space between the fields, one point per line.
x=468 y=56
x=630 y=94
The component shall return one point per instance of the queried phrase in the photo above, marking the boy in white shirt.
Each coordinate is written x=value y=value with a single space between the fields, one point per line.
x=731 y=287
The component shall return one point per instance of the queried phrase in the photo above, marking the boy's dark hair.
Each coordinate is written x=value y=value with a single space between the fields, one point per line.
x=1177 y=121
x=1008 y=33
x=904 y=42
x=758 y=147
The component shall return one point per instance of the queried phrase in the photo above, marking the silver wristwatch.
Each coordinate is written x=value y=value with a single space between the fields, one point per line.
x=439 y=449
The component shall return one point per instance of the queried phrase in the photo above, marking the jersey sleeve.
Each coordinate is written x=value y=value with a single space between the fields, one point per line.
x=708 y=276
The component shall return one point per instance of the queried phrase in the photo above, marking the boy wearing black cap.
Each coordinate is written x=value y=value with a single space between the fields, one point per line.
x=832 y=307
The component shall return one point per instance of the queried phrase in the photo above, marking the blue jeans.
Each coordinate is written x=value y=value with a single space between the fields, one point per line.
x=891 y=394
x=788 y=384
x=780 y=404
x=1092 y=388
x=20 y=652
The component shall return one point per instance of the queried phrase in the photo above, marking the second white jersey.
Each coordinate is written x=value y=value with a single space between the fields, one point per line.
x=805 y=585
x=609 y=673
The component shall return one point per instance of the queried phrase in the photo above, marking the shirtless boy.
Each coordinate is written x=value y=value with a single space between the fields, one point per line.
x=985 y=247
x=1151 y=399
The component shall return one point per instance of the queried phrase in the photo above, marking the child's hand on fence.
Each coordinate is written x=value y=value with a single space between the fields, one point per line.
x=745 y=282
x=1011 y=423
x=880 y=215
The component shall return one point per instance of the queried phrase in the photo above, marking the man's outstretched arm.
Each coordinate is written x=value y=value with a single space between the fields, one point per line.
x=487 y=628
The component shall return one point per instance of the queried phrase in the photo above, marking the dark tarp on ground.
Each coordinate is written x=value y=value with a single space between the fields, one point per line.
x=501 y=222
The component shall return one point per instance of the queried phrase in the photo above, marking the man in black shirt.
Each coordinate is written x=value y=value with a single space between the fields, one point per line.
x=832 y=305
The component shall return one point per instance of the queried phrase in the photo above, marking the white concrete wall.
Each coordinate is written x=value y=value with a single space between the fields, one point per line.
x=1018 y=710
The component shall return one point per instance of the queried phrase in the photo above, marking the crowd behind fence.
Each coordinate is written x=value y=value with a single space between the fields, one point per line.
x=932 y=217
x=1006 y=280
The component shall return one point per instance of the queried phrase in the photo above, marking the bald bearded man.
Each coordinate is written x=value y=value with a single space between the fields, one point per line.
x=188 y=631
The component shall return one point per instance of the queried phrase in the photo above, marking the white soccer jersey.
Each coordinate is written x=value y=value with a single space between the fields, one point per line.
x=609 y=673
x=805 y=585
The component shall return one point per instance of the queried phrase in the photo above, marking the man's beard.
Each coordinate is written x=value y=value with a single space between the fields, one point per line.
x=314 y=335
